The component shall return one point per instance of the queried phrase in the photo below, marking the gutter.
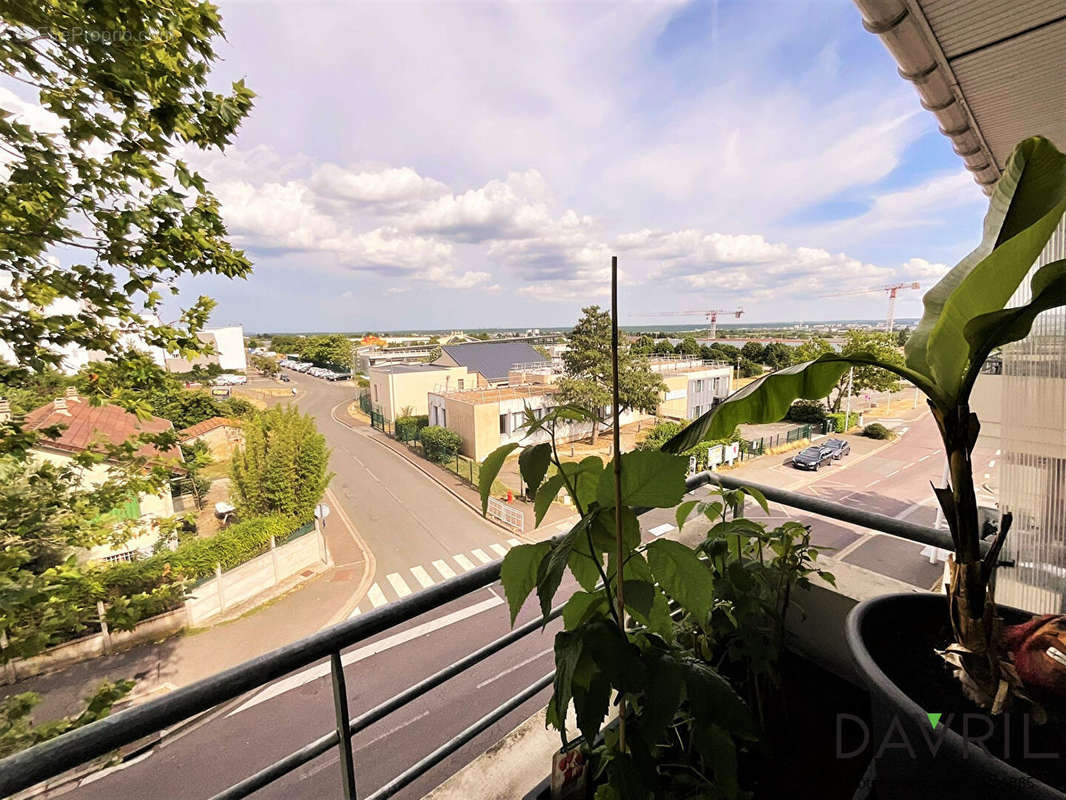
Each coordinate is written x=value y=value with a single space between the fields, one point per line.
x=906 y=34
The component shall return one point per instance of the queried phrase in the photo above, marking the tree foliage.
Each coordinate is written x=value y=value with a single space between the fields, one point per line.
x=17 y=730
x=440 y=444
x=332 y=351
x=588 y=379
x=282 y=468
x=265 y=365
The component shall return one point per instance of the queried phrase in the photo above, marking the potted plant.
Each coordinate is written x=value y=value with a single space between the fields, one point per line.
x=1005 y=665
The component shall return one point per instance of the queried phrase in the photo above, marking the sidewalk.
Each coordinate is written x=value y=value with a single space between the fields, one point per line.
x=161 y=667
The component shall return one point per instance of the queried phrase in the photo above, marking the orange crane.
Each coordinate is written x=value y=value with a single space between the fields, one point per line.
x=710 y=314
x=891 y=318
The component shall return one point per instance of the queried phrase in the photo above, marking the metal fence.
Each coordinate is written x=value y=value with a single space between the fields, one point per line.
x=101 y=738
x=511 y=517
x=364 y=402
x=750 y=448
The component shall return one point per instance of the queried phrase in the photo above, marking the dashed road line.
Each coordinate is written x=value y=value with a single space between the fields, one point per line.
x=444 y=570
x=372 y=475
x=399 y=584
x=422 y=577
x=509 y=670
x=376 y=596
x=463 y=562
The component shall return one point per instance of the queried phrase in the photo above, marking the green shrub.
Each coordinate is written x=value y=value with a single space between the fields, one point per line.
x=838 y=421
x=875 y=430
x=659 y=434
x=806 y=411
x=440 y=444
x=407 y=428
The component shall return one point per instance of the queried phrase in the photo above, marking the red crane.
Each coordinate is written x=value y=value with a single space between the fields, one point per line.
x=891 y=318
x=710 y=314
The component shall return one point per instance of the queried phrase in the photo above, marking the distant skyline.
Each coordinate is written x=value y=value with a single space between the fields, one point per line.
x=414 y=165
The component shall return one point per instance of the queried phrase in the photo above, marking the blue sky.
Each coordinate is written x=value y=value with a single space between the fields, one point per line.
x=448 y=165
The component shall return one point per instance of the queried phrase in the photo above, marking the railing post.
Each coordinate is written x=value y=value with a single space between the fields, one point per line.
x=105 y=633
x=344 y=734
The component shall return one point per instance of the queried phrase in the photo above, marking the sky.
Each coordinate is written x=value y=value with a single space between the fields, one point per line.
x=472 y=164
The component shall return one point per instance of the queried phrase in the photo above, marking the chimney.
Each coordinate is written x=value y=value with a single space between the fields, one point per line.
x=72 y=394
x=5 y=411
x=60 y=404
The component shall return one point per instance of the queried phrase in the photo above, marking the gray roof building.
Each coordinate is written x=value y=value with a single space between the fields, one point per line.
x=491 y=359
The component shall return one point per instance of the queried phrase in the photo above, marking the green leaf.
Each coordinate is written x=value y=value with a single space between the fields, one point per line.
x=488 y=471
x=768 y=398
x=568 y=647
x=649 y=607
x=550 y=571
x=533 y=464
x=584 y=477
x=988 y=331
x=590 y=705
x=757 y=496
x=580 y=607
x=582 y=565
x=518 y=573
x=662 y=695
x=714 y=701
x=1025 y=207
x=683 y=576
x=649 y=478
x=720 y=753
x=618 y=658
x=604 y=535
x=545 y=495
x=683 y=511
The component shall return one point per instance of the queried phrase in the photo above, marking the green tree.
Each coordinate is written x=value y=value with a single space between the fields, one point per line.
x=17 y=731
x=882 y=346
x=282 y=467
x=663 y=347
x=902 y=335
x=811 y=349
x=688 y=347
x=286 y=343
x=332 y=351
x=267 y=365
x=105 y=187
x=777 y=355
x=643 y=344
x=753 y=351
x=587 y=363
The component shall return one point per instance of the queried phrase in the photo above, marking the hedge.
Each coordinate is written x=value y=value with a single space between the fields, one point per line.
x=838 y=421
x=408 y=428
x=875 y=430
x=440 y=444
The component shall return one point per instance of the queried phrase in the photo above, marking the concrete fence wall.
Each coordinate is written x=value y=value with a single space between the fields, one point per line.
x=225 y=592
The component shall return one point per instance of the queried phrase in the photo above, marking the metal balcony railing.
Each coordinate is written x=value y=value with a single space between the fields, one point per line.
x=57 y=756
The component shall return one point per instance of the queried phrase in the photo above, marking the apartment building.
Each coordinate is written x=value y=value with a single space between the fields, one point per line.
x=228 y=351
x=396 y=387
x=693 y=386
x=489 y=361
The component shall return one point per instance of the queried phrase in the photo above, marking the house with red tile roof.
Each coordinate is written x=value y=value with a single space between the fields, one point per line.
x=87 y=427
x=222 y=435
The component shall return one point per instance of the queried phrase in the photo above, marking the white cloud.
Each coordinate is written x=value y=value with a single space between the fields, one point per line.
x=514 y=208
x=387 y=188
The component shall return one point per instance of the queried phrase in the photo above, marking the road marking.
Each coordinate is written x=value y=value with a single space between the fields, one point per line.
x=376 y=596
x=444 y=570
x=372 y=475
x=355 y=613
x=997 y=452
x=992 y=463
x=987 y=477
x=347 y=659
x=481 y=556
x=498 y=549
x=422 y=577
x=889 y=475
x=659 y=530
x=395 y=730
x=509 y=670
x=873 y=483
x=513 y=542
x=923 y=458
x=399 y=584
x=464 y=562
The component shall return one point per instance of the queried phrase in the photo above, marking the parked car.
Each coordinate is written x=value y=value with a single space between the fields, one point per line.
x=340 y=376
x=839 y=447
x=812 y=458
x=284 y=378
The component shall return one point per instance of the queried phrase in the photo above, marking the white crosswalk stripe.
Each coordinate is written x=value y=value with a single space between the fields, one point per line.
x=464 y=562
x=498 y=549
x=376 y=596
x=422 y=577
x=513 y=542
x=355 y=612
x=399 y=584
x=481 y=556
x=444 y=570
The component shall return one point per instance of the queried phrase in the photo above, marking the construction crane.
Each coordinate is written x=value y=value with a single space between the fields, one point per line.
x=891 y=318
x=710 y=314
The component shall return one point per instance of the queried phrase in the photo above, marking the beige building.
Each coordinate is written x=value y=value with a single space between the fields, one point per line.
x=222 y=436
x=692 y=386
x=88 y=427
x=395 y=387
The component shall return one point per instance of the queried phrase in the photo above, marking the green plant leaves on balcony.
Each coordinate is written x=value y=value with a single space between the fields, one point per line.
x=518 y=573
x=546 y=494
x=649 y=478
x=683 y=576
x=1025 y=207
x=533 y=464
x=488 y=471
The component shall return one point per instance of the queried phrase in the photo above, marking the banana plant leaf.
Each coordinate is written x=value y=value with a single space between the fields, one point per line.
x=1025 y=207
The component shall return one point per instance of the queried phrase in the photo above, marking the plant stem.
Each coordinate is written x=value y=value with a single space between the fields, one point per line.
x=619 y=549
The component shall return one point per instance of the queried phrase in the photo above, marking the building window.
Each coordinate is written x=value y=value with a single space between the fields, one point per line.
x=696 y=411
x=375 y=393
x=517 y=420
x=699 y=386
x=461 y=382
x=503 y=423
x=444 y=418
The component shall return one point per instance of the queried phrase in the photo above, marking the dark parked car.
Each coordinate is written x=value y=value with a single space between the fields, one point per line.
x=839 y=447
x=284 y=378
x=812 y=458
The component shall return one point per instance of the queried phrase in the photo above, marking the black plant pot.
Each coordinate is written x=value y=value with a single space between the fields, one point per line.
x=891 y=639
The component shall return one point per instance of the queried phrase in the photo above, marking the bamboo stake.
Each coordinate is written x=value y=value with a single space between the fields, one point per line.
x=619 y=553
